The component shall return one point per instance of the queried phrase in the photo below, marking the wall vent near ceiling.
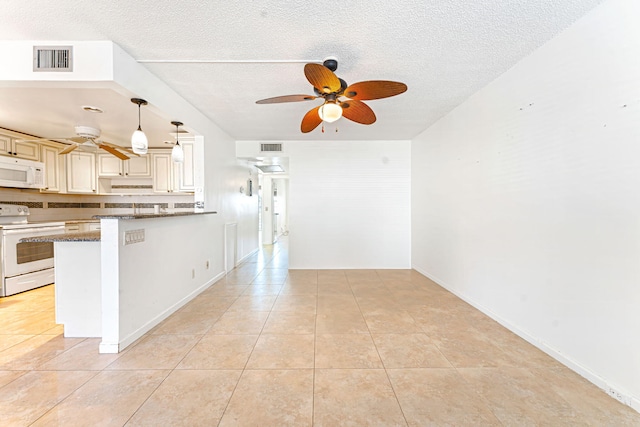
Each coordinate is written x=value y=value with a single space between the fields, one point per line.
x=264 y=148
x=53 y=58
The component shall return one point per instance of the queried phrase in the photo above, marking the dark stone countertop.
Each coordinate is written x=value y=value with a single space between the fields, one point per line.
x=152 y=215
x=90 y=236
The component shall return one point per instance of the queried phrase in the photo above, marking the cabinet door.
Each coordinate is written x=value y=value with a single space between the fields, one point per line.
x=6 y=149
x=186 y=177
x=162 y=173
x=26 y=150
x=139 y=167
x=51 y=160
x=81 y=172
x=109 y=165
x=23 y=149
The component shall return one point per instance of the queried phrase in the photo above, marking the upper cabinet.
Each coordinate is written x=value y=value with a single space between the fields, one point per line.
x=13 y=147
x=170 y=177
x=163 y=173
x=111 y=166
x=81 y=172
x=53 y=167
x=184 y=171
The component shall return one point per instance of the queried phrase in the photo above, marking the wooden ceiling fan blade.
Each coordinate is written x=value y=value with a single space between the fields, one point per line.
x=286 y=98
x=311 y=120
x=69 y=149
x=119 y=147
x=374 y=89
x=358 y=112
x=322 y=78
x=113 y=151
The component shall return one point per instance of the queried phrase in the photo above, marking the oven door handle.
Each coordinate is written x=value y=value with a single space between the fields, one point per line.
x=39 y=230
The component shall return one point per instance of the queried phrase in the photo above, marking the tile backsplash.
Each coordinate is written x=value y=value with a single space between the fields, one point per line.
x=60 y=207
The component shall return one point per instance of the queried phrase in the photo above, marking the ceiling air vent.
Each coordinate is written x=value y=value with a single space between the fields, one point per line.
x=52 y=58
x=264 y=148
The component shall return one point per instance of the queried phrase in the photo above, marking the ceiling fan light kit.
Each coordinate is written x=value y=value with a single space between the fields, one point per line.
x=139 y=142
x=330 y=112
x=340 y=99
x=177 y=153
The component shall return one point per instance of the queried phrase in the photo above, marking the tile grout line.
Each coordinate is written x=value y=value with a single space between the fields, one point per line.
x=315 y=346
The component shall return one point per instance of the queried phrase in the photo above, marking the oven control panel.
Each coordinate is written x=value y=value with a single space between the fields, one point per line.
x=13 y=210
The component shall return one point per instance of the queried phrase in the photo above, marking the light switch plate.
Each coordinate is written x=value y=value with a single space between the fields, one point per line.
x=133 y=236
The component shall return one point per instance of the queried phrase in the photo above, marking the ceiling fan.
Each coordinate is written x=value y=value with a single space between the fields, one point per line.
x=88 y=136
x=340 y=99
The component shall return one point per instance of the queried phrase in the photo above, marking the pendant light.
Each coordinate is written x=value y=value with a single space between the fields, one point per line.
x=139 y=142
x=177 y=153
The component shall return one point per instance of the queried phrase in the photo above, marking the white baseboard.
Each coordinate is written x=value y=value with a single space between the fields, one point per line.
x=135 y=335
x=253 y=252
x=108 y=348
x=609 y=388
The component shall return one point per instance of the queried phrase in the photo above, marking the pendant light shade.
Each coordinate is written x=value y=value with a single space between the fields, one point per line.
x=177 y=153
x=139 y=142
x=330 y=112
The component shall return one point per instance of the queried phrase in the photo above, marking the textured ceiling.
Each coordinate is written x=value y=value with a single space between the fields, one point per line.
x=444 y=50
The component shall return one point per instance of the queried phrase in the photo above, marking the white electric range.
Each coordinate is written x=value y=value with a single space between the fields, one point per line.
x=24 y=265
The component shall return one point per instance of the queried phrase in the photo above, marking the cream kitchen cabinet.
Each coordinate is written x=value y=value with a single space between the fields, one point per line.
x=81 y=172
x=53 y=166
x=163 y=173
x=170 y=177
x=10 y=146
x=111 y=166
x=184 y=171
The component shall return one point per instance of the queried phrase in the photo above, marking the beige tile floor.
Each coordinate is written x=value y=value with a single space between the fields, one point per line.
x=271 y=347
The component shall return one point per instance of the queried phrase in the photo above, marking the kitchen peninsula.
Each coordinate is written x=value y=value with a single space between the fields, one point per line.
x=119 y=283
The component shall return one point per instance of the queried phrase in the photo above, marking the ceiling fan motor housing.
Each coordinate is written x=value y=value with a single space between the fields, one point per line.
x=87 y=132
x=331 y=64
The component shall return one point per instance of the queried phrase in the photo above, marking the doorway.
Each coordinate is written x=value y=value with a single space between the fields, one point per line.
x=273 y=207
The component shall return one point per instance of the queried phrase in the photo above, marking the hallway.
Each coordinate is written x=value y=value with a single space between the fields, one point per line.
x=271 y=347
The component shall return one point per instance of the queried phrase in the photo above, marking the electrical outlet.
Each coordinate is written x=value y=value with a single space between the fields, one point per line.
x=193 y=273
x=206 y=264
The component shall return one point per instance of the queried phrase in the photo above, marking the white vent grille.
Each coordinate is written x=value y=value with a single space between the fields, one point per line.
x=52 y=58
x=270 y=147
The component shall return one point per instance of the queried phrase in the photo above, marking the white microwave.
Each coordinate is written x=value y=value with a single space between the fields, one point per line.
x=21 y=173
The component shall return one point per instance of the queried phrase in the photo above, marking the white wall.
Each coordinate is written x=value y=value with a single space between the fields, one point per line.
x=349 y=204
x=526 y=202
x=145 y=282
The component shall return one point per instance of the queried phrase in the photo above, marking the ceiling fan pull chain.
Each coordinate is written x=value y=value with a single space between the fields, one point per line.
x=322 y=128
x=336 y=129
